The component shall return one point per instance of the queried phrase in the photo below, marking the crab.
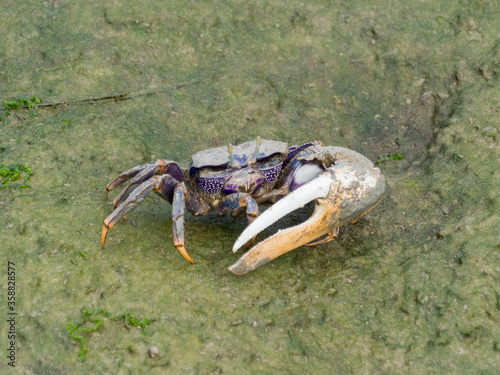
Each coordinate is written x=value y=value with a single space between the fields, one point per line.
x=236 y=179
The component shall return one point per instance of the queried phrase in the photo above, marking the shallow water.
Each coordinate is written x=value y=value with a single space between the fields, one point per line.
x=411 y=288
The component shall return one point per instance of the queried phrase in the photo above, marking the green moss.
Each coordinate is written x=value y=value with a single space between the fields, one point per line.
x=77 y=331
x=22 y=103
x=14 y=172
x=390 y=157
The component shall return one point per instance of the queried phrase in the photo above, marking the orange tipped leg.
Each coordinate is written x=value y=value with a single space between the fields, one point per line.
x=182 y=250
x=136 y=197
x=104 y=234
x=178 y=210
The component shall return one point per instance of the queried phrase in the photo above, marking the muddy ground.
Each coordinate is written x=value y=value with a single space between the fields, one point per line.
x=412 y=288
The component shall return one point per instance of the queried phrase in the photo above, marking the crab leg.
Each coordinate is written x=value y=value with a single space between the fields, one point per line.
x=178 y=211
x=236 y=203
x=343 y=193
x=170 y=189
x=141 y=173
x=333 y=234
x=144 y=175
x=136 y=197
x=125 y=176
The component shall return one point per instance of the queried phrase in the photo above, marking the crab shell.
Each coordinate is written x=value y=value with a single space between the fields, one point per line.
x=219 y=157
x=211 y=168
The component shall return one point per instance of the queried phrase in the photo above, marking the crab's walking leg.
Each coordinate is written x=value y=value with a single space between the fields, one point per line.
x=141 y=173
x=170 y=189
x=125 y=176
x=146 y=173
x=236 y=203
x=136 y=197
x=333 y=234
x=178 y=211
x=252 y=213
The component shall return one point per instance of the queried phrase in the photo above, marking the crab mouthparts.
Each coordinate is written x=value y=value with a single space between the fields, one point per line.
x=286 y=239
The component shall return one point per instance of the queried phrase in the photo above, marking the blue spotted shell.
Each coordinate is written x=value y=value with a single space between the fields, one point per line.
x=271 y=174
x=211 y=185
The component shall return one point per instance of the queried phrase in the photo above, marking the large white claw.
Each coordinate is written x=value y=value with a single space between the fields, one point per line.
x=317 y=188
x=343 y=193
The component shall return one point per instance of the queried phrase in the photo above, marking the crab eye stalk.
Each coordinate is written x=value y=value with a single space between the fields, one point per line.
x=256 y=154
x=231 y=156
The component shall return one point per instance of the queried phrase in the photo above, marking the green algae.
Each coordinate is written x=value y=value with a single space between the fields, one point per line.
x=76 y=330
x=18 y=103
x=13 y=172
x=395 y=156
x=411 y=288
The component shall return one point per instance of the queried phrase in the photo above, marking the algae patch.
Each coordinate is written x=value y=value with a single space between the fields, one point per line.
x=12 y=173
x=21 y=103
x=94 y=318
x=390 y=157
x=24 y=102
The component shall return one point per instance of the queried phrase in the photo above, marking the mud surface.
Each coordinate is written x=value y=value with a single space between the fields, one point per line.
x=411 y=288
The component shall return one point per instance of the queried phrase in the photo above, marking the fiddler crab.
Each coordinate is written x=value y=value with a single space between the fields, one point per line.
x=236 y=179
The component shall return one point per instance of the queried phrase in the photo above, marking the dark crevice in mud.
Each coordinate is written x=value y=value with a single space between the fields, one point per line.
x=417 y=128
x=416 y=125
x=424 y=120
x=444 y=110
